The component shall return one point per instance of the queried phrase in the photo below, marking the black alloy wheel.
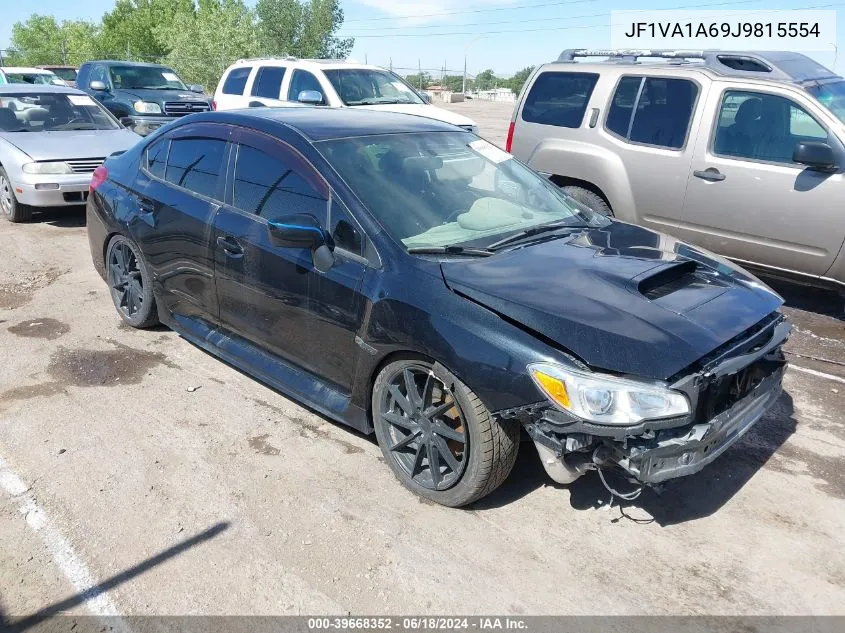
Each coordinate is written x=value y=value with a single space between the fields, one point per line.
x=130 y=284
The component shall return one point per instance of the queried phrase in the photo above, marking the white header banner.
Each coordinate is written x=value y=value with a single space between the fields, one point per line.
x=765 y=30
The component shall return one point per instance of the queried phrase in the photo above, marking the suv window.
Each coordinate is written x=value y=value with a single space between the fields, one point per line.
x=236 y=81
x=157 y=157
x=760 y=126
x=652 y=110
x=268 y=82
x=559 y=99
x=195 y=163
x=273 y=188
x=303 y=80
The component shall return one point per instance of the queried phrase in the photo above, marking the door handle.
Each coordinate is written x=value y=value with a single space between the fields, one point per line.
x=146 y=205
x=230 y=246
x=711 y=174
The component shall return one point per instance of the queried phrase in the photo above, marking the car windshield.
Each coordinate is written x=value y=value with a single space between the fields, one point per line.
x=832 y=96
x=52 y=112
x=145 y=77
x=68 y=74
x=447 y=188
x=31 y=78
x=363 y=86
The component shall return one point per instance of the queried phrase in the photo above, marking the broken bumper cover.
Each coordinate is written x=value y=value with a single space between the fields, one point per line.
x=679 y=452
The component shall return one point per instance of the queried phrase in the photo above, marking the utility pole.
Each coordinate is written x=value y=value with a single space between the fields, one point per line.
x=64 y=51
x=419 y=70
x=464 y=84
x=391 y=64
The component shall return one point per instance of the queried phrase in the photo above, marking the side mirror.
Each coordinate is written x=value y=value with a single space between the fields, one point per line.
x=426 y=96
x=304 y=231
x=815 y=154
x=196 y=88
x=311 y=97
x=99 y=86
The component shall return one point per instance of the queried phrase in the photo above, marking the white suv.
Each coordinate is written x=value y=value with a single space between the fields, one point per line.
x=278 y=81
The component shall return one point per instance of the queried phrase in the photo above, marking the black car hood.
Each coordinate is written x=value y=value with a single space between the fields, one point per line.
x=622 y=298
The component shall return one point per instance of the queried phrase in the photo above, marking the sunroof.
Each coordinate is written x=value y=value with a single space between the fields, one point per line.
x=746 y=64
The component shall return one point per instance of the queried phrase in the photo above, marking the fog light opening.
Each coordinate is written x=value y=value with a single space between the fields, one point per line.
x=47 y=185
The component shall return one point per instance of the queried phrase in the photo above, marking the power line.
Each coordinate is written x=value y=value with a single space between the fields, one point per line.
x=563 y=17
x=489 y=10
x=569 y=28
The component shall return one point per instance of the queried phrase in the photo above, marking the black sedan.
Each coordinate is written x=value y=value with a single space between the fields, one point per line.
x=407 y=278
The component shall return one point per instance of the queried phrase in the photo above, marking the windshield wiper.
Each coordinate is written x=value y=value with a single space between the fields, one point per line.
x=450 y=250
x=532 y=231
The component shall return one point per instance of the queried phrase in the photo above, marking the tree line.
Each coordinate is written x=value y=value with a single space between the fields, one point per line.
x=485 y=80
x=199 y=39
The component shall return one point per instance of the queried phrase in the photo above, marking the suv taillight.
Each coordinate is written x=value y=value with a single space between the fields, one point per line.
x=214 y=105
x=509 y=142
x=98 y=177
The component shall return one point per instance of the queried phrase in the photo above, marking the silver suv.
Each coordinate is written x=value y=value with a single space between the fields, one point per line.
x=742 y=153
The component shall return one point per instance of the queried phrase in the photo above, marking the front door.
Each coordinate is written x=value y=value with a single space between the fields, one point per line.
x=748 y=200
x=273 y=296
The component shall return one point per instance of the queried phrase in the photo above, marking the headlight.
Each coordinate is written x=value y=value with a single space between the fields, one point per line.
x=54 y=167
x=145 y=107
x=605 y=399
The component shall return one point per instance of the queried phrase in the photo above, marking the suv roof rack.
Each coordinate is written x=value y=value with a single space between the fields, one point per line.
x=779 y=65
x=285 y=58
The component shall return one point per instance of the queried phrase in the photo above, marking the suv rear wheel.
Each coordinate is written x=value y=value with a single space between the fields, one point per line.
x=589 y=198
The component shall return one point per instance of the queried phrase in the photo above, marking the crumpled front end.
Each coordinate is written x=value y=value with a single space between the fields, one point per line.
x=729 y=391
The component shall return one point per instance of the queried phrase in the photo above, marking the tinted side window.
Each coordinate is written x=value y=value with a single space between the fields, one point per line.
x=273 y=188
x=236 y=81
x=559 y=98
x=195 y=163
x=157 y=157
x=764 y=127
x=303 y=80
x=664 y=112
x=344 y=231
x=622 y=106
x=268 y=83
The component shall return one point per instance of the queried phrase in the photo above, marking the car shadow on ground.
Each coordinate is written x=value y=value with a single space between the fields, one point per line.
x=61 y=217
x=33 y=620
x=824 y=302
x=681 y=500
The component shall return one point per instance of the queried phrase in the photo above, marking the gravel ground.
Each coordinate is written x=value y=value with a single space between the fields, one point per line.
x=118 y=447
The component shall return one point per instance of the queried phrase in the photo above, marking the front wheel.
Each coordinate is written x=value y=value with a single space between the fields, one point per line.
x=437 y=436
x=130 y=283
x=10 y=208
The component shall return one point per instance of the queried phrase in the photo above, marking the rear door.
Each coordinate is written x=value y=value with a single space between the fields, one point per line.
x=273 y=296
x=266 y=86
x=179 y=189
x=747 y=199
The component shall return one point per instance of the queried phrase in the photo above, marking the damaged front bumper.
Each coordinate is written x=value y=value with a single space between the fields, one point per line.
x=729 y=392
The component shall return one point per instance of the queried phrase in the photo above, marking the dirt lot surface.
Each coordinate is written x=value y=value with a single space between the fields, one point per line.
x=132 y=458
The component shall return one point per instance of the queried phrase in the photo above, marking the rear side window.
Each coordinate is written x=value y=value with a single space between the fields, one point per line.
x=236 y=81
x=157 y=157
x=559 y=99
x=196 y=163
x=652 y=110
x=274 y=188
x=268 y=83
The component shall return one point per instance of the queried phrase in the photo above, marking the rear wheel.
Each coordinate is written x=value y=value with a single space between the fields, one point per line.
x=10 y=208
x=130 y=283
x=438 y=438
x=589 y=198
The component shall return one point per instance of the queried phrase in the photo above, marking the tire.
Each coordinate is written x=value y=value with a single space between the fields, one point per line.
x=130 y=283
x=443 y=414
x=10 y=208
x=589 y=198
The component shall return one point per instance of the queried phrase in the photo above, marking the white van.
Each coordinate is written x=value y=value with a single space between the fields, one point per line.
x=334 y=83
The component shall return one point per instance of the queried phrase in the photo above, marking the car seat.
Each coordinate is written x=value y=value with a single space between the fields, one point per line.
x=740 y=138
x=8 y=121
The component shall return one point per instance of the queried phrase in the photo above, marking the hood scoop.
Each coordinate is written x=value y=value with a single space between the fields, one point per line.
x=680 y=286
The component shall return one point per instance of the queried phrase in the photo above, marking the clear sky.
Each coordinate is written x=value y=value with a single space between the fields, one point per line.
x=504 y=35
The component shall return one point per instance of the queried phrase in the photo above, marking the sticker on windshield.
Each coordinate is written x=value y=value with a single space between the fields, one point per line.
x=81 y=100
x=170 y=76
x=490 y=151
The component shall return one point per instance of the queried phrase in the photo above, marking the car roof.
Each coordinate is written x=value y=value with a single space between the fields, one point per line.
x=26 y=69
x=323 y=64
x=321 y=124
x=117 y=62
x=10 y=89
